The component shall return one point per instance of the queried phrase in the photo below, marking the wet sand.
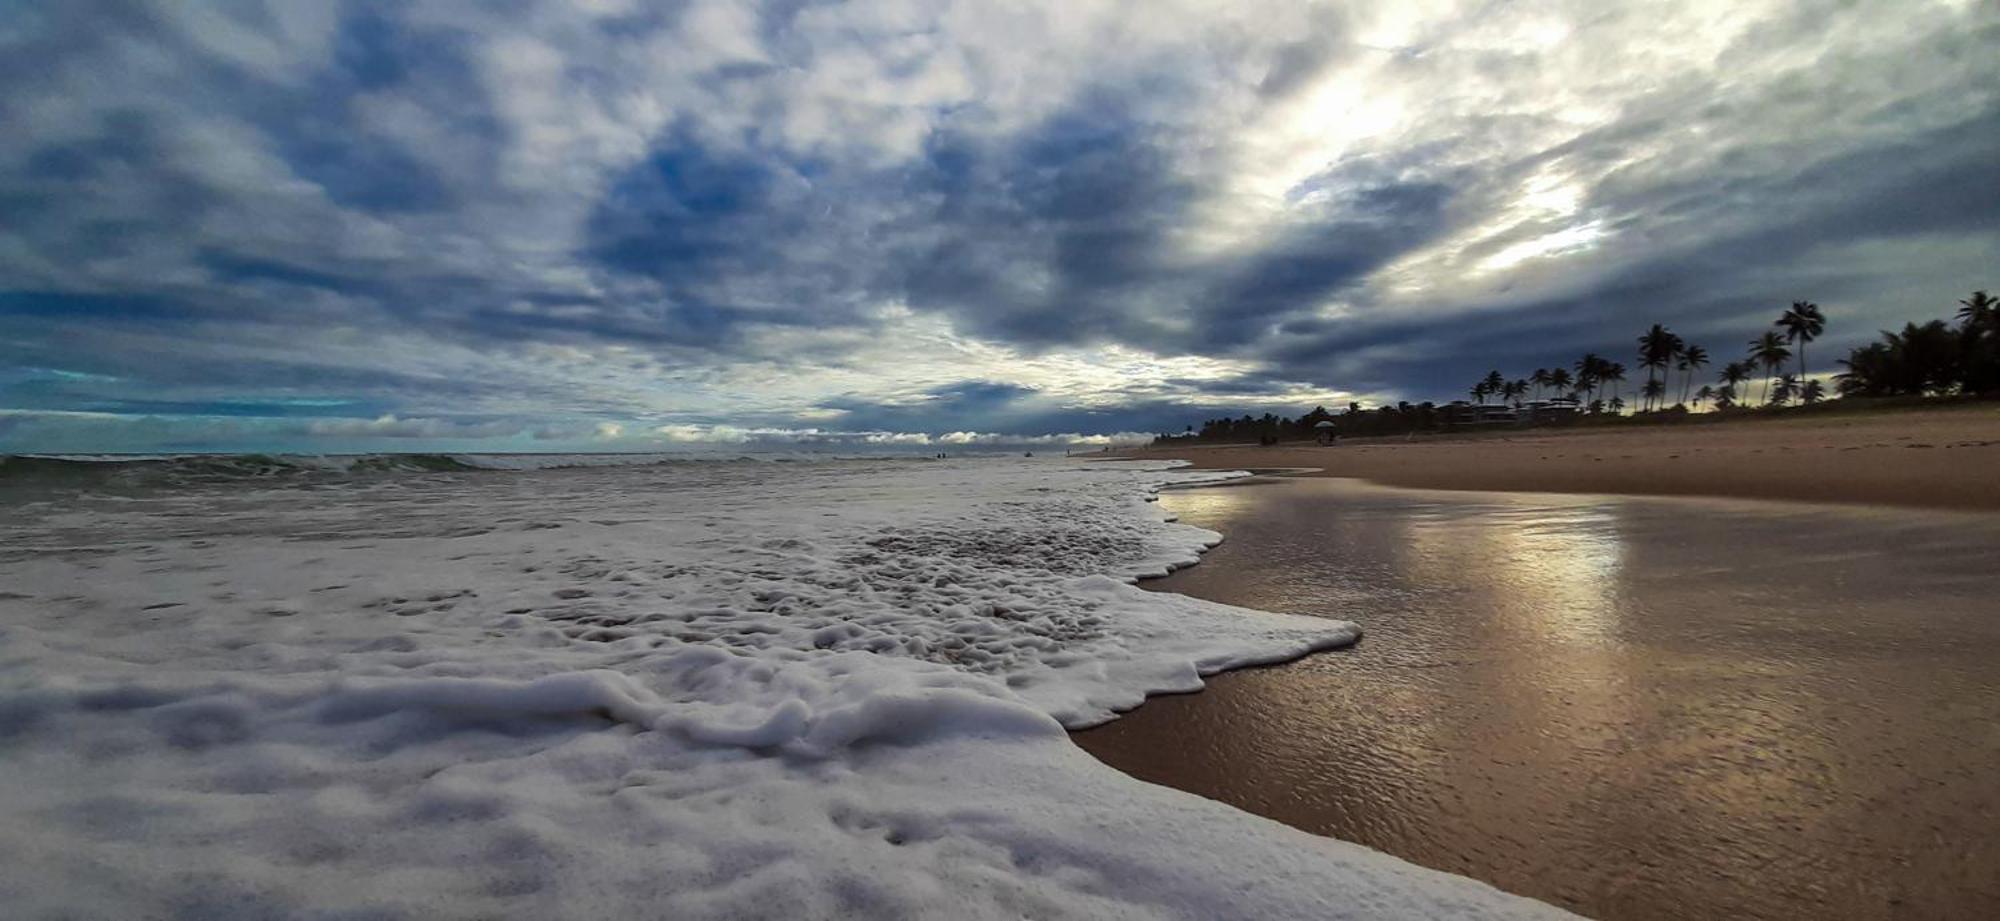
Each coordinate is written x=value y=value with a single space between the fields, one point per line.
x=1939 y=458
x=1634 y=708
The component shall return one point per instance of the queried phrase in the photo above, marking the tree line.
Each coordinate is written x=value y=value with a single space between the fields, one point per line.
x=1930 y=359
x=1672 y=364
x=1270 y=428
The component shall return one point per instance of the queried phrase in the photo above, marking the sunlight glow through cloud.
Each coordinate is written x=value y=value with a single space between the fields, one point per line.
x=294 y=221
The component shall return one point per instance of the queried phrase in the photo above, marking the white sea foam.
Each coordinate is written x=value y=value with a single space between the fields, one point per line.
x=693 y=690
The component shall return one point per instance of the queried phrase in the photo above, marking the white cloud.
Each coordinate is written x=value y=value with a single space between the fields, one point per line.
x=283 y=204
x=389 y=426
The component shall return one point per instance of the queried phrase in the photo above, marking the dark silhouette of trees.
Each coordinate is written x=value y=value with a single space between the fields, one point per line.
x=1614 y=374
x=1592 y=372
x=1788 y=387
x=1802 y=323
x=1493 y=384
x=1271 y=429
x=1979 y=343
x=1768 y=350
x=1693 y=358
x=1734 y=374
x=1933 y=358
x=1979 y=310
x=1657 y=349
x=1918 y=360
x=1559 y=379
x=1927 y=359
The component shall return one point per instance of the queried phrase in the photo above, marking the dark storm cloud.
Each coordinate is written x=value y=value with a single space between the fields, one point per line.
x=1720 y=288
x=944 y=217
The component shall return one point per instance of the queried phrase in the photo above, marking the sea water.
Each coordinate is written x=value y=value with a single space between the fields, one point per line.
x=431 y=686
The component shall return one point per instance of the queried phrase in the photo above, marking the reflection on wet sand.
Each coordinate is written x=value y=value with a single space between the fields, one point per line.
x=1635 y=708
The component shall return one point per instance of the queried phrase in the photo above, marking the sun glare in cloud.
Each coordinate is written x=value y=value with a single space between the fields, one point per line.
x=1563 y=242
x=457 y=221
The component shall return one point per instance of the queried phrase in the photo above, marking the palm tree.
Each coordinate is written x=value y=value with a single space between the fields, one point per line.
x=1559 y=379
x=1788 y=387
x=1494 y=383
x=1725 y=396
x=1540 y=379
x=1812 y=392
x=1656 y=350
x=1617 y=405
x=1802 y=323
x=1704 y=394
x=1693 y=358
x=1733 y=376
x=1654 y=390
x=1922 y=359
x=1587 y=369
x=1676 y=349
x=1769 y=350
x=1614 y=374
x=1979 y=311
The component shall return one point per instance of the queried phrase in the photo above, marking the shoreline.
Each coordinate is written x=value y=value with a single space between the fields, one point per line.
x=1933 y=458
x=1604 y=705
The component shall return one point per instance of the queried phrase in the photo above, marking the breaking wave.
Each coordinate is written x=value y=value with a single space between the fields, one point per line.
x=127 y=472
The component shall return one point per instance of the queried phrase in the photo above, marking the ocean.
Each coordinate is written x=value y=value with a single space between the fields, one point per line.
x=618 y=686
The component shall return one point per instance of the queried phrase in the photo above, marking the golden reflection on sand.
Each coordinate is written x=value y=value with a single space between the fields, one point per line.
x=1645 y=709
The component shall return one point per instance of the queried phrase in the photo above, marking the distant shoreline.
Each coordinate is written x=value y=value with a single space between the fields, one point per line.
x=1943 y=458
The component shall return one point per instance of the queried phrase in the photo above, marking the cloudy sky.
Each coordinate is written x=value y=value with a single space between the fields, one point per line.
x=621 y=224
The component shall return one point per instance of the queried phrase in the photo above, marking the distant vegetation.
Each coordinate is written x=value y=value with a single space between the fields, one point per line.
x=1932 y=359
x=1928 y=360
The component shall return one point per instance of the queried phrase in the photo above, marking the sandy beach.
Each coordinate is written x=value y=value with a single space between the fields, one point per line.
x=1935 y=458
x=1636 y=708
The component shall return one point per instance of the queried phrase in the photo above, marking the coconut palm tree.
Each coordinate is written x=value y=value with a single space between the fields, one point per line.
x=1540 y=379
x=1979 y=311
x=1693 y=358
x=1559 y=379
x=1733 y=376
x=1587 y=369
x=1725 y=396
x=1704 y=394
x=1653 y=391
x=1617 y=405
x=1656 y=351
x=1494 y=383
x=1812 y=392
x=1921 y=359
x=1788 y=387
x=1614 y=374
x=1769 y=351
x=1802 y=323
x=1979 y=343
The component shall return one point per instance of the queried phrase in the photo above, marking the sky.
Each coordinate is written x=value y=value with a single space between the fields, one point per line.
x=603 y=225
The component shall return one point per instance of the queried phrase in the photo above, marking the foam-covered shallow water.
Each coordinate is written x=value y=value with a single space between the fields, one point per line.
x=701 y=689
